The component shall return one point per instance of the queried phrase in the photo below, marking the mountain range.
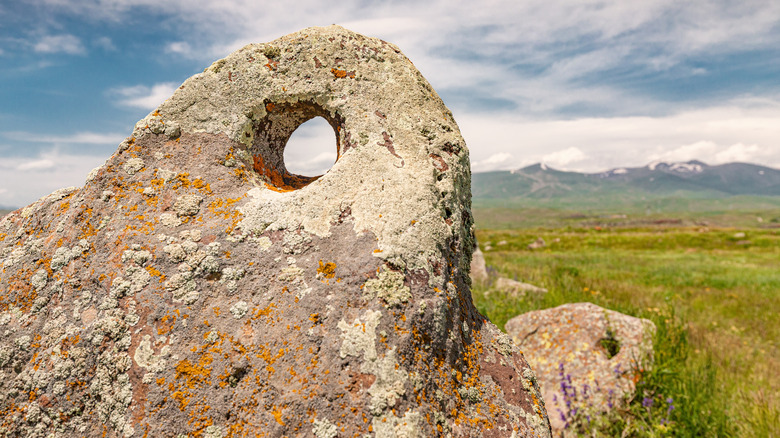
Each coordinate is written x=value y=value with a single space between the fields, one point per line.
x=539 y=184
x=744 y=185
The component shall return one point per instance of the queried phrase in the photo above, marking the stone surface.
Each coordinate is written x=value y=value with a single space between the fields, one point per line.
x=517 y=288
x=479 y=273
x=573 y=353
x=194 y=287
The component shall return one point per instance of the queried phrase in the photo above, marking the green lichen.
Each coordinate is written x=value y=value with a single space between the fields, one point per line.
x=388 y=286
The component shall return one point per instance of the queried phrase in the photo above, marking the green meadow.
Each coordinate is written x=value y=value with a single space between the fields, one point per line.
x=710 y=282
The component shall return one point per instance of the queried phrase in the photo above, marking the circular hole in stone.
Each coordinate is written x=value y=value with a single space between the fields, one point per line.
x=311 y=149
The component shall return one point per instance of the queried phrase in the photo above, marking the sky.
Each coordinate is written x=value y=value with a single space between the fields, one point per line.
x=582 y=85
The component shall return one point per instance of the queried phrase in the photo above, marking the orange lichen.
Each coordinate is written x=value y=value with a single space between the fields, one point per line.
x=277 y=413
x=155 y=273
x=166 y=324
x=327 y=270
x=195 y=374
x=278 y=181
x=341 y=74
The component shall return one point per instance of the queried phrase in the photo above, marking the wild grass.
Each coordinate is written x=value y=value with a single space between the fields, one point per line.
x=713 y=293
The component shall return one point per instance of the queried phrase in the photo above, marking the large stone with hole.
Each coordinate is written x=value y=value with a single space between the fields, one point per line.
x=194 y=287
x=587 y=358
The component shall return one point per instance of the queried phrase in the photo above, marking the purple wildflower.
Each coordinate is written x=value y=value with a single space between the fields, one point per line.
x=647 y=402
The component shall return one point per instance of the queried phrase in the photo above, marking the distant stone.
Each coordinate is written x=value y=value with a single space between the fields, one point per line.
x=479 y=273
x=585 y=357
x=739 y=235
x=517 y=288
x=195 y=287
x=537 y=244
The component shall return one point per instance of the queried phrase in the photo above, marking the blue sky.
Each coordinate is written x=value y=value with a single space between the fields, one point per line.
x=581 y=85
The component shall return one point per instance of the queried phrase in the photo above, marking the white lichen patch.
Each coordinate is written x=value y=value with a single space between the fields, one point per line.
x=291 y=274
x=133 y=165
x=263 y=242
x=239 y=309
x=63 y=255
x=188 y=205
x=390 y=426
x=166 y=175
x=214 y=431
x=183 y=287
x=39 y=279
x=170 y=220
x=324 y=429
x=175 y=251
x=230 y=277
x=503 y=343
x=358 y=338
x=191 y=235
x=389 y=286
x=389 y=384
x=146 y=358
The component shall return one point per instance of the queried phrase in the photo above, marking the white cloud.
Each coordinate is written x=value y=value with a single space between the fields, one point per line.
x=541 y=55
x=22 y=182
x=317 y=165
x=104 y=43
x=564 y=157
x=713 y=153
x=179 y=47
x=60 y=44
x=741 y=153
x=44 y=164
x=77 y=138
x=741 y=131
x=699 y=150
x=144 y=97
x=494 y=162
x=311 y=149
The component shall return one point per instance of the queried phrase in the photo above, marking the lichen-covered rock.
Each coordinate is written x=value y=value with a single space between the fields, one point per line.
x=585 y=357
x=194 y=287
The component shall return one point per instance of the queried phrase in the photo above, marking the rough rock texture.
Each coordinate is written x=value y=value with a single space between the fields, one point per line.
x=193 y=287
x=585 y=357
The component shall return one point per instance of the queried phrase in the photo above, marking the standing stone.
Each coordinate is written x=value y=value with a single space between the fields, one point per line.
x=194 y=287
x=478 y=269
x=585 y=357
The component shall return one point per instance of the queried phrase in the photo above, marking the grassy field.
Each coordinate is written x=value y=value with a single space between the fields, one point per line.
x=711 y=284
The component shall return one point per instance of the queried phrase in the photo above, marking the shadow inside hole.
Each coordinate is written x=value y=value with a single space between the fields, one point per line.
x=272 y=134
x=311 y=150
x=610 y=344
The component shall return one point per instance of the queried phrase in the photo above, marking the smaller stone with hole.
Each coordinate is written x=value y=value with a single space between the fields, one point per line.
x=585 y=357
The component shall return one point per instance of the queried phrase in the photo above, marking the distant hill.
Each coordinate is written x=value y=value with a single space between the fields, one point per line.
x=540 y=185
